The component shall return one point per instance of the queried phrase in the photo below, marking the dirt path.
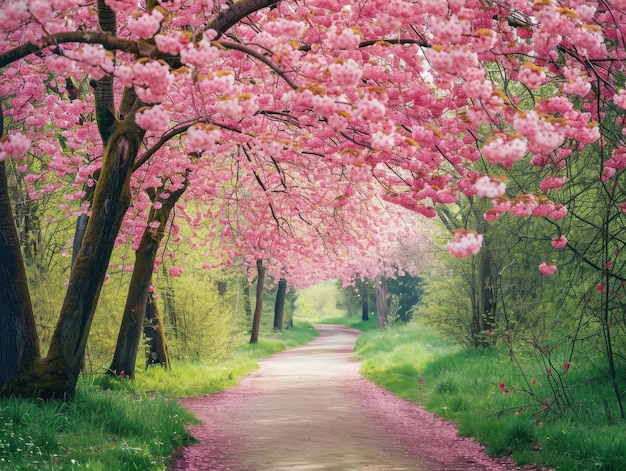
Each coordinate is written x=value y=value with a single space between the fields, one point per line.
x=309 y=409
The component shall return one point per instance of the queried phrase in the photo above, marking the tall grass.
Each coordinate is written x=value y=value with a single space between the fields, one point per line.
x=487 y=396
x=120 y=424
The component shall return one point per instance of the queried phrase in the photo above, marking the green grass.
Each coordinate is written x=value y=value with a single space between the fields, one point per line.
x=486 y=395
x=120 y=424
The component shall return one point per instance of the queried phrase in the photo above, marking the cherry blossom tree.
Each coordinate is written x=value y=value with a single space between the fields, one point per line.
x=295 y=110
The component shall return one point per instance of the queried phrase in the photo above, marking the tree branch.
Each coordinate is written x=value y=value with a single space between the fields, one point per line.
x=235 y=12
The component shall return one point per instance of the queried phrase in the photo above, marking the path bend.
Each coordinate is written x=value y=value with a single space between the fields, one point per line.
x=308 y=409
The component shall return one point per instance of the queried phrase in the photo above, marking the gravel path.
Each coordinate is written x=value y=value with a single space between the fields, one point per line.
x=308 y=409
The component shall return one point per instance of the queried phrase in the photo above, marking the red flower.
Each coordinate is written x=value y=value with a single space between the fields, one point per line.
x=501 y=385
x=566 y=365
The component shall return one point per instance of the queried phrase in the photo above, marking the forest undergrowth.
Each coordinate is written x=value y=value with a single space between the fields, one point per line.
x=503 y=404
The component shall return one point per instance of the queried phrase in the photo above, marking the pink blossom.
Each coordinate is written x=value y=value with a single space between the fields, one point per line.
x=505 y=151
x=490 y=215
x=547 y=268
x=346 y=74
x=283 y=27
x=175 y=271
x=559 y=213
x=381 y=141
x=552 y=183
x=229 y=107
x=202 y=136
x=502 y=205
x=59 y=64
x=93 y=58
x=559 y=242
x=120 y=5
x=146 y=25
x=152 y=81
x=171 y=42
x=489 y=188
x=532 y=76
x=465 y=243
x=484 y=40
x=577 y=86
x=41 y=9
x=371 y=109
x=620 y=99
x=13 y=145
x=543 y=136
x=448 y=30
x=523 y=206
x=544 y=207
x=346 y=39
x=64 y=5
x=154 y=118
x=202 y=55
x=13 y=14
x=451 y=61
x=436 y=7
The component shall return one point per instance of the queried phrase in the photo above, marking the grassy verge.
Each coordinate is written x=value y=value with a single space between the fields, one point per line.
x=117 y=424
x=486 y=395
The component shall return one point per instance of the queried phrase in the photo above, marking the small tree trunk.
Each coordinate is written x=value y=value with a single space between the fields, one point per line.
x=246 y=302
x=279 y=307
x=484 y=290
x=156 y=347
x=132 y=327
x=258 y=309
x=381 y=302
x=365 y=305
x=170 y=305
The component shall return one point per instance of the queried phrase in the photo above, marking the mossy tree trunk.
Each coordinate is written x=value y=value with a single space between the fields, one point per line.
x=132 y=327
x=56 y=375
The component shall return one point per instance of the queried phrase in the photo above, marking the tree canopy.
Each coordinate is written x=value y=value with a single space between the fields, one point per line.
x=306 y=131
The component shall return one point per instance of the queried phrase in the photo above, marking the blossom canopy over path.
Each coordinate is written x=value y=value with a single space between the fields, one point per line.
x=294 y=124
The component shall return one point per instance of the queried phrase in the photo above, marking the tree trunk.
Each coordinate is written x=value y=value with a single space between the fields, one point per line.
x=256 y=321
x=19 y=345
x=381 y=301
x=365 y=305
x=484 y=290
x=156 y=347
x=56 y=375
x=132 y=327
x=279 y=307
x=246 y=301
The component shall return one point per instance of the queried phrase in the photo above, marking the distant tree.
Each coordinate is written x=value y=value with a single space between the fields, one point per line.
x=258 y=308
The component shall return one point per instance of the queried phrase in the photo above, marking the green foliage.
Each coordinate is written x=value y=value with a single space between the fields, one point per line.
x=100 y=429
x=504 y=405
x=320 y=301
x=405 y=292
